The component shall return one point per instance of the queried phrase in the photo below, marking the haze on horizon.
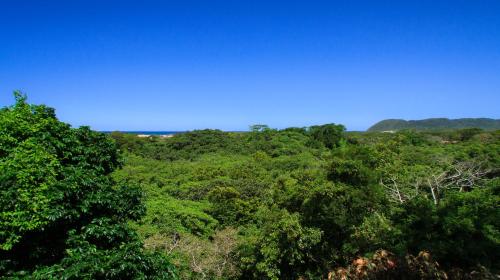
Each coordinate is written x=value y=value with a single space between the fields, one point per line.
x=183 y=65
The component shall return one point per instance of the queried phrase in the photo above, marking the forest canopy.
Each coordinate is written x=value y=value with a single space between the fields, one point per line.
x=62 y=214
x=304 y=203
x=297 y=203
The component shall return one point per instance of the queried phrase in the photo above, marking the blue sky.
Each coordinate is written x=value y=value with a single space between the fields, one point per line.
x=182 y=65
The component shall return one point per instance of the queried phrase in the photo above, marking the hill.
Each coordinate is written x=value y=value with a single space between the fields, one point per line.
x=436 y=124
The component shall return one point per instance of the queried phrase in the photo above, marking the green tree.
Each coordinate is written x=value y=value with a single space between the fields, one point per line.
x=62 y=216
x=228 y=207
x=283 y=247
x=328 y=134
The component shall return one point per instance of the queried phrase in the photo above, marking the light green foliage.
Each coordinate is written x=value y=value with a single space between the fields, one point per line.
x=374 y=233
x=62 y=216
x=228 y=206
x=308 y=200
x=284 y=245
x=170 y=215
x=295 y=203
x=32 y=171
x=303 y=200
x=28 y=171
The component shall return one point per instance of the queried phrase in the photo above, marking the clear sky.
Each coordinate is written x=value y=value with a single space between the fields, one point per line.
x=182 y=65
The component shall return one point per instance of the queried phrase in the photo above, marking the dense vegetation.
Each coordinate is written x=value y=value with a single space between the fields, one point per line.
x=436 y=124
x=296 y=203
x=62 y=215
x=305 y=202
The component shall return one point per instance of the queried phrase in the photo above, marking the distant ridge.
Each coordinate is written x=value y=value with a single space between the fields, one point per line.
x=436 y=124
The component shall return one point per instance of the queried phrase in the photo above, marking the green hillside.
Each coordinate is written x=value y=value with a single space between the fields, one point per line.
x=436 y=124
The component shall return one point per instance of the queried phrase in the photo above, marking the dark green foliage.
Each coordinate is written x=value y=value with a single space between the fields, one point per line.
x=283 y=246
x=126 y=261
x=61 y=214
x=436 y=124
x=308 y=200
x=351 y=172
x=335 y=209
x=188 y=145
x=295 y=203
x=329 y=135
x=461 y=231
x=228 y=206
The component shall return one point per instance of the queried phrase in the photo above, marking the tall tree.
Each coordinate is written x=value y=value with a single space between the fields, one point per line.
x=62 y=216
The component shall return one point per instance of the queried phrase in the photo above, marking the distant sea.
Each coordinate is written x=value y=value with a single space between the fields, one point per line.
x=148 y=132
